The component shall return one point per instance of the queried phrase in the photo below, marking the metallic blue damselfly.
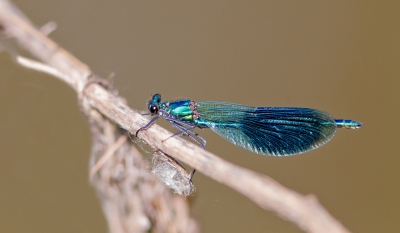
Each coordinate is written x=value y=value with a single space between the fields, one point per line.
x=275 y=131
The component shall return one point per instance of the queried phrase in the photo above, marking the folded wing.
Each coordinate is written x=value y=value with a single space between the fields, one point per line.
x=275 y=131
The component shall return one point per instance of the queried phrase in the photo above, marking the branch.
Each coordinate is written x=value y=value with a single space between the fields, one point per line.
x=304 y=211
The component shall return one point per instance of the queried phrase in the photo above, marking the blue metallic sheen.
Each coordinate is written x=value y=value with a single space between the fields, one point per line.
x=275 y=131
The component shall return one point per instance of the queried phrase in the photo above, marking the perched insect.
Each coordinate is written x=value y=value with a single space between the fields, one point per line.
x=275 y=131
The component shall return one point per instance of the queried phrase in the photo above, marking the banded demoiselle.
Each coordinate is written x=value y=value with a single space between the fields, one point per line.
x=275 y=131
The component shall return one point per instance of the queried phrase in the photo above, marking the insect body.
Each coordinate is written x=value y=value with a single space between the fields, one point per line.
x=275 y=131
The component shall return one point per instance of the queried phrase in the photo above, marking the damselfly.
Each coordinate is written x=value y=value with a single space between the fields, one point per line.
x=275 y=131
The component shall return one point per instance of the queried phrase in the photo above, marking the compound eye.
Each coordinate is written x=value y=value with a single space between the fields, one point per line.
x=153 y=109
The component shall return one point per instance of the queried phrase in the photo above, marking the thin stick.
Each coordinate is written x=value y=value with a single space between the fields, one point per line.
x=41 y=67
x=111 y=150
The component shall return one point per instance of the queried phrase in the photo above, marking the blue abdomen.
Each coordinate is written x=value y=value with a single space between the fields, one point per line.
x=348 y=124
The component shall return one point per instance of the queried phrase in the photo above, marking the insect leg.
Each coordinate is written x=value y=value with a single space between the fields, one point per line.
x=148 y=124
x=188 y=131
x=186 y=128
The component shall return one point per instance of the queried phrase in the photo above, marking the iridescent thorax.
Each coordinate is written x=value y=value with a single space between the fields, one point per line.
x=184 y=110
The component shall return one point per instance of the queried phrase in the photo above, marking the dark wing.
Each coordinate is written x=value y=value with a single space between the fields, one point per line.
x=276 y=131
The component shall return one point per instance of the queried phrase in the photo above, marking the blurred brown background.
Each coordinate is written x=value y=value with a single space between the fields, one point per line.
x=338 y=56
